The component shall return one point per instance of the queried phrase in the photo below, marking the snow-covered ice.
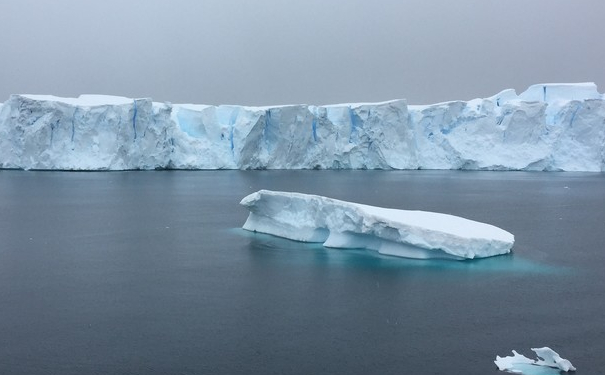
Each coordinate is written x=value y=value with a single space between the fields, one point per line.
x=520 y=364
x=340 y=224
x=548 y=127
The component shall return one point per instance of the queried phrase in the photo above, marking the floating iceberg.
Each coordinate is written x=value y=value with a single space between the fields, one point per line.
x=520 y=364
x=340 y=224
x=548 y=127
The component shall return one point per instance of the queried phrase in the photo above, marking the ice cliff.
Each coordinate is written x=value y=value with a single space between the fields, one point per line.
x=548 y=127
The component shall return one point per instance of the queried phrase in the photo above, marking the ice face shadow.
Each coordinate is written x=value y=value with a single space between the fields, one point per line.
x=276 y=249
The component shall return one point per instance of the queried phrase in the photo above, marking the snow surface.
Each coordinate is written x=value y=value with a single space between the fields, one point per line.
x=549 y=127
x=340 y=224
x=520 y=364
x=83 y=100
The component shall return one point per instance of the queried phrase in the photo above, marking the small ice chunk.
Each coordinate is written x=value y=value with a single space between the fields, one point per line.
x=550 y=358
x=510 y=364
x=520 y=364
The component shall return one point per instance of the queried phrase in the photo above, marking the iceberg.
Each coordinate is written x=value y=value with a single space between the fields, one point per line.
x=340 y=224
x=520 y=364
x=549 y=127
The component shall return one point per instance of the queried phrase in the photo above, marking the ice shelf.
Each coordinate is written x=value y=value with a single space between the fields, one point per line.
x=549 y=127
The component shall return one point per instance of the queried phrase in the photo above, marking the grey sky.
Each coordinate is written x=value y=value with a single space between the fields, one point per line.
x=261 y=52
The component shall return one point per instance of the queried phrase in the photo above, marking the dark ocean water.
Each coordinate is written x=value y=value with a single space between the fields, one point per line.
x=148 y=273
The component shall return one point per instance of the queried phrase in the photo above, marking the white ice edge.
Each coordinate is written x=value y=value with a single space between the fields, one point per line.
x=85 y=100
x=340 y=224
x=537 y=92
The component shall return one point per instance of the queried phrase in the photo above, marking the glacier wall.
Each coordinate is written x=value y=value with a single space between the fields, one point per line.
x=549 y=127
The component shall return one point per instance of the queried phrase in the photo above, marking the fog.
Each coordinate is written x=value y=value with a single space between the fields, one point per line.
x=266 y=52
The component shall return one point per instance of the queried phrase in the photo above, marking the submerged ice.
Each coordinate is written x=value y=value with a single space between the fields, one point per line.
x=547 y=127
x=340 y=224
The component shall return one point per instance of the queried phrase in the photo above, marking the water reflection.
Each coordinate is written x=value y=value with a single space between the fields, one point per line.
x=264 y=247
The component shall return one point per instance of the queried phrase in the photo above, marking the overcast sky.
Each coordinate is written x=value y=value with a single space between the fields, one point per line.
x=264 y=52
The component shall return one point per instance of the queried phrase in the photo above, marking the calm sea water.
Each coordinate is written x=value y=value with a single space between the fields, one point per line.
x=148 y=273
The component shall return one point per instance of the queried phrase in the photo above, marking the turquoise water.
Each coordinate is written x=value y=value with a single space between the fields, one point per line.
x=281 y=250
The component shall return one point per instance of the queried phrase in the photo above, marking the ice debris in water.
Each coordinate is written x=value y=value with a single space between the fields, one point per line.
x=340 y=224
x=520 y=364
